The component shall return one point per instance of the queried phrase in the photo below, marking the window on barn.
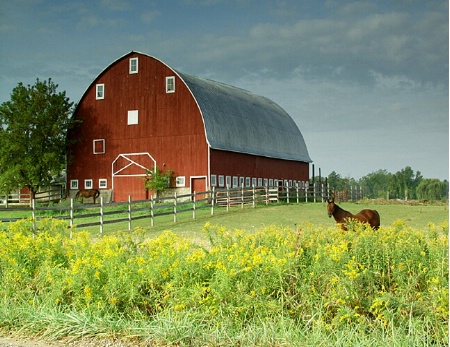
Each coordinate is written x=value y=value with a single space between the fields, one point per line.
x=180 y=181
x=235 y=181
x=221 y=181
x=100 y=91
x=170 y=84
x=88 y=184
x=241 y=181
x=266 y=182
x=213 y=181
x=102 y=183
x=73 y=184
x=247 y=181
x=228 y=180
x=99 y=146
x=133 y=117
x=133 y=65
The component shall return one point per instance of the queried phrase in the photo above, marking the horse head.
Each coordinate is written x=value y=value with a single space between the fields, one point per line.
x=330 y=207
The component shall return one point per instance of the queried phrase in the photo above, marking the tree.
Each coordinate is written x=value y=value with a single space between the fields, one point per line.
x=376 y=184
x=33 y=129
x=432 y=189
x=404 y=183
x=158 y=180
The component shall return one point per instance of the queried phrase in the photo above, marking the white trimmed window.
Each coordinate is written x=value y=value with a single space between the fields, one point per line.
x=180 y=181
x=88 y=184
x=247 y=181
x=133 y=117
x=213 y=181
x=103 y=183
x=228 y=180
x=221 y=181
x=73 y=184
x=134 y=65
x=241 y=181
x=98 y=146
x=100 y=91
x=170 y=84
x=235 y=181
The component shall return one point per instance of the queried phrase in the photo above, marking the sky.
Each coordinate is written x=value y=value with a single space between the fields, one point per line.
x=365 y=81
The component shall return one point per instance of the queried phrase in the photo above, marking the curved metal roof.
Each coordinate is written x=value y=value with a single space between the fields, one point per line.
x=240 y=121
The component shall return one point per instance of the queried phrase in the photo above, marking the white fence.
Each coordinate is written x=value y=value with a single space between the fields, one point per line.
x=87 y=215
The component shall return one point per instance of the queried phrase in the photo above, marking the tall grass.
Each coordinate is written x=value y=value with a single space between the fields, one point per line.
x=275 y=286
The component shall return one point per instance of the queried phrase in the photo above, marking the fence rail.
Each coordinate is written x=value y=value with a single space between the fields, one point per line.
x=88 y=215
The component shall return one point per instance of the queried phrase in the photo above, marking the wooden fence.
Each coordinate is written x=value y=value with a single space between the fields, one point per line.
x=87 y=215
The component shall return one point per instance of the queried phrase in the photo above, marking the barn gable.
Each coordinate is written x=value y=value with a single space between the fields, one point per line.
x=239 y=121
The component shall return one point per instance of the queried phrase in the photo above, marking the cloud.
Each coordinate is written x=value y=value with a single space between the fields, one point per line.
x=149 y=16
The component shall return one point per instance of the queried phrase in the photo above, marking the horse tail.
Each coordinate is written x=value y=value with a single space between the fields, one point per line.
x=379 y=219
x=97 y=193
x=77 y=195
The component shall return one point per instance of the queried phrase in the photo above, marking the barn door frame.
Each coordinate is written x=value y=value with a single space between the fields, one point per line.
x=131 y=162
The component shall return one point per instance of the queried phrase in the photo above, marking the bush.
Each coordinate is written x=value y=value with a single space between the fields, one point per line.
x=312 y=279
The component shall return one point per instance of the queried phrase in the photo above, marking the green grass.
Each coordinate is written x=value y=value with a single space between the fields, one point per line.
x=242 y=277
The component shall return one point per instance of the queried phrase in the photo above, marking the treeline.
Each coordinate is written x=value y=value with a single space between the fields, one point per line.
x=404 y=184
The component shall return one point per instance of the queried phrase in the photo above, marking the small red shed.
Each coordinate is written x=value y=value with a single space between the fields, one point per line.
x=140 y=113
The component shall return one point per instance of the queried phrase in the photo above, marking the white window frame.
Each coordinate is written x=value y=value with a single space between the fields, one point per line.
x=134 y=65
x=73 y=184
x=228 y=181
x=133 y=117
x=94 y=143
x=235 y=181
x=241 y=181
x=170 y=84
x=102 y=183
x=221 y=181
x=247 y=181
x=180 y=181
x=213 y=181
x=100 y=91
x=88 y=184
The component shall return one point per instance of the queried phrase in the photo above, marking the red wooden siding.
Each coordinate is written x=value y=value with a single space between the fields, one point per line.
x=245 y=165
x=170 y=127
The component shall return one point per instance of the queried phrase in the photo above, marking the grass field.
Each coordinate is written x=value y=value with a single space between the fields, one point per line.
x=277 y=275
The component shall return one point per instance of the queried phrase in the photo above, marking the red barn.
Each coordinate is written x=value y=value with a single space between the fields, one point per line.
x=140 y=113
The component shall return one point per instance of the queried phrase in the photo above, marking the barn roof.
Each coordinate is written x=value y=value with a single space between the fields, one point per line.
x=240 y=121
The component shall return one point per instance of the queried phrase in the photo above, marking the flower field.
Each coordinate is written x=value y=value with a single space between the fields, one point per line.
x=273 y=287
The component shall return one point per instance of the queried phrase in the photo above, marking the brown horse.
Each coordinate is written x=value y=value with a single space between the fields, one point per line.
x=342 y=216
x=87 y=193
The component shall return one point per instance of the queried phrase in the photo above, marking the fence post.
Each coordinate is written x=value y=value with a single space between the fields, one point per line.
x=71 y=214
x=129 y=212
x=254 y=196
x=287 y=193
x=242 y=195
x=101 y=214
x=267 y=194
x=213 y=198
x=33 y=214
x=228 y=198
x=152 y=217
x=314 y=191
x=306 y=191
x=175 y=208
x=194 y=206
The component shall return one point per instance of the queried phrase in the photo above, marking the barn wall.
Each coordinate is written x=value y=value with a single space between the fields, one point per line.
x=245 y=165
x=170 y=127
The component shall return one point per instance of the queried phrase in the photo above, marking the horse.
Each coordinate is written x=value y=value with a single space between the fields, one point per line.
x=87 y=193
x=342 y=216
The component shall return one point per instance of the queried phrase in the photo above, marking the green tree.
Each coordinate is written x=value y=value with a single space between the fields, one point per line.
x=376 y=184
x=158 y=180
x=432 y=189
x=33 y=128
x=404 y=183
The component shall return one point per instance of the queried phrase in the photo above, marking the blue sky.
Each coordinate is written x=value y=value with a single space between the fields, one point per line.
x=366 y=82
